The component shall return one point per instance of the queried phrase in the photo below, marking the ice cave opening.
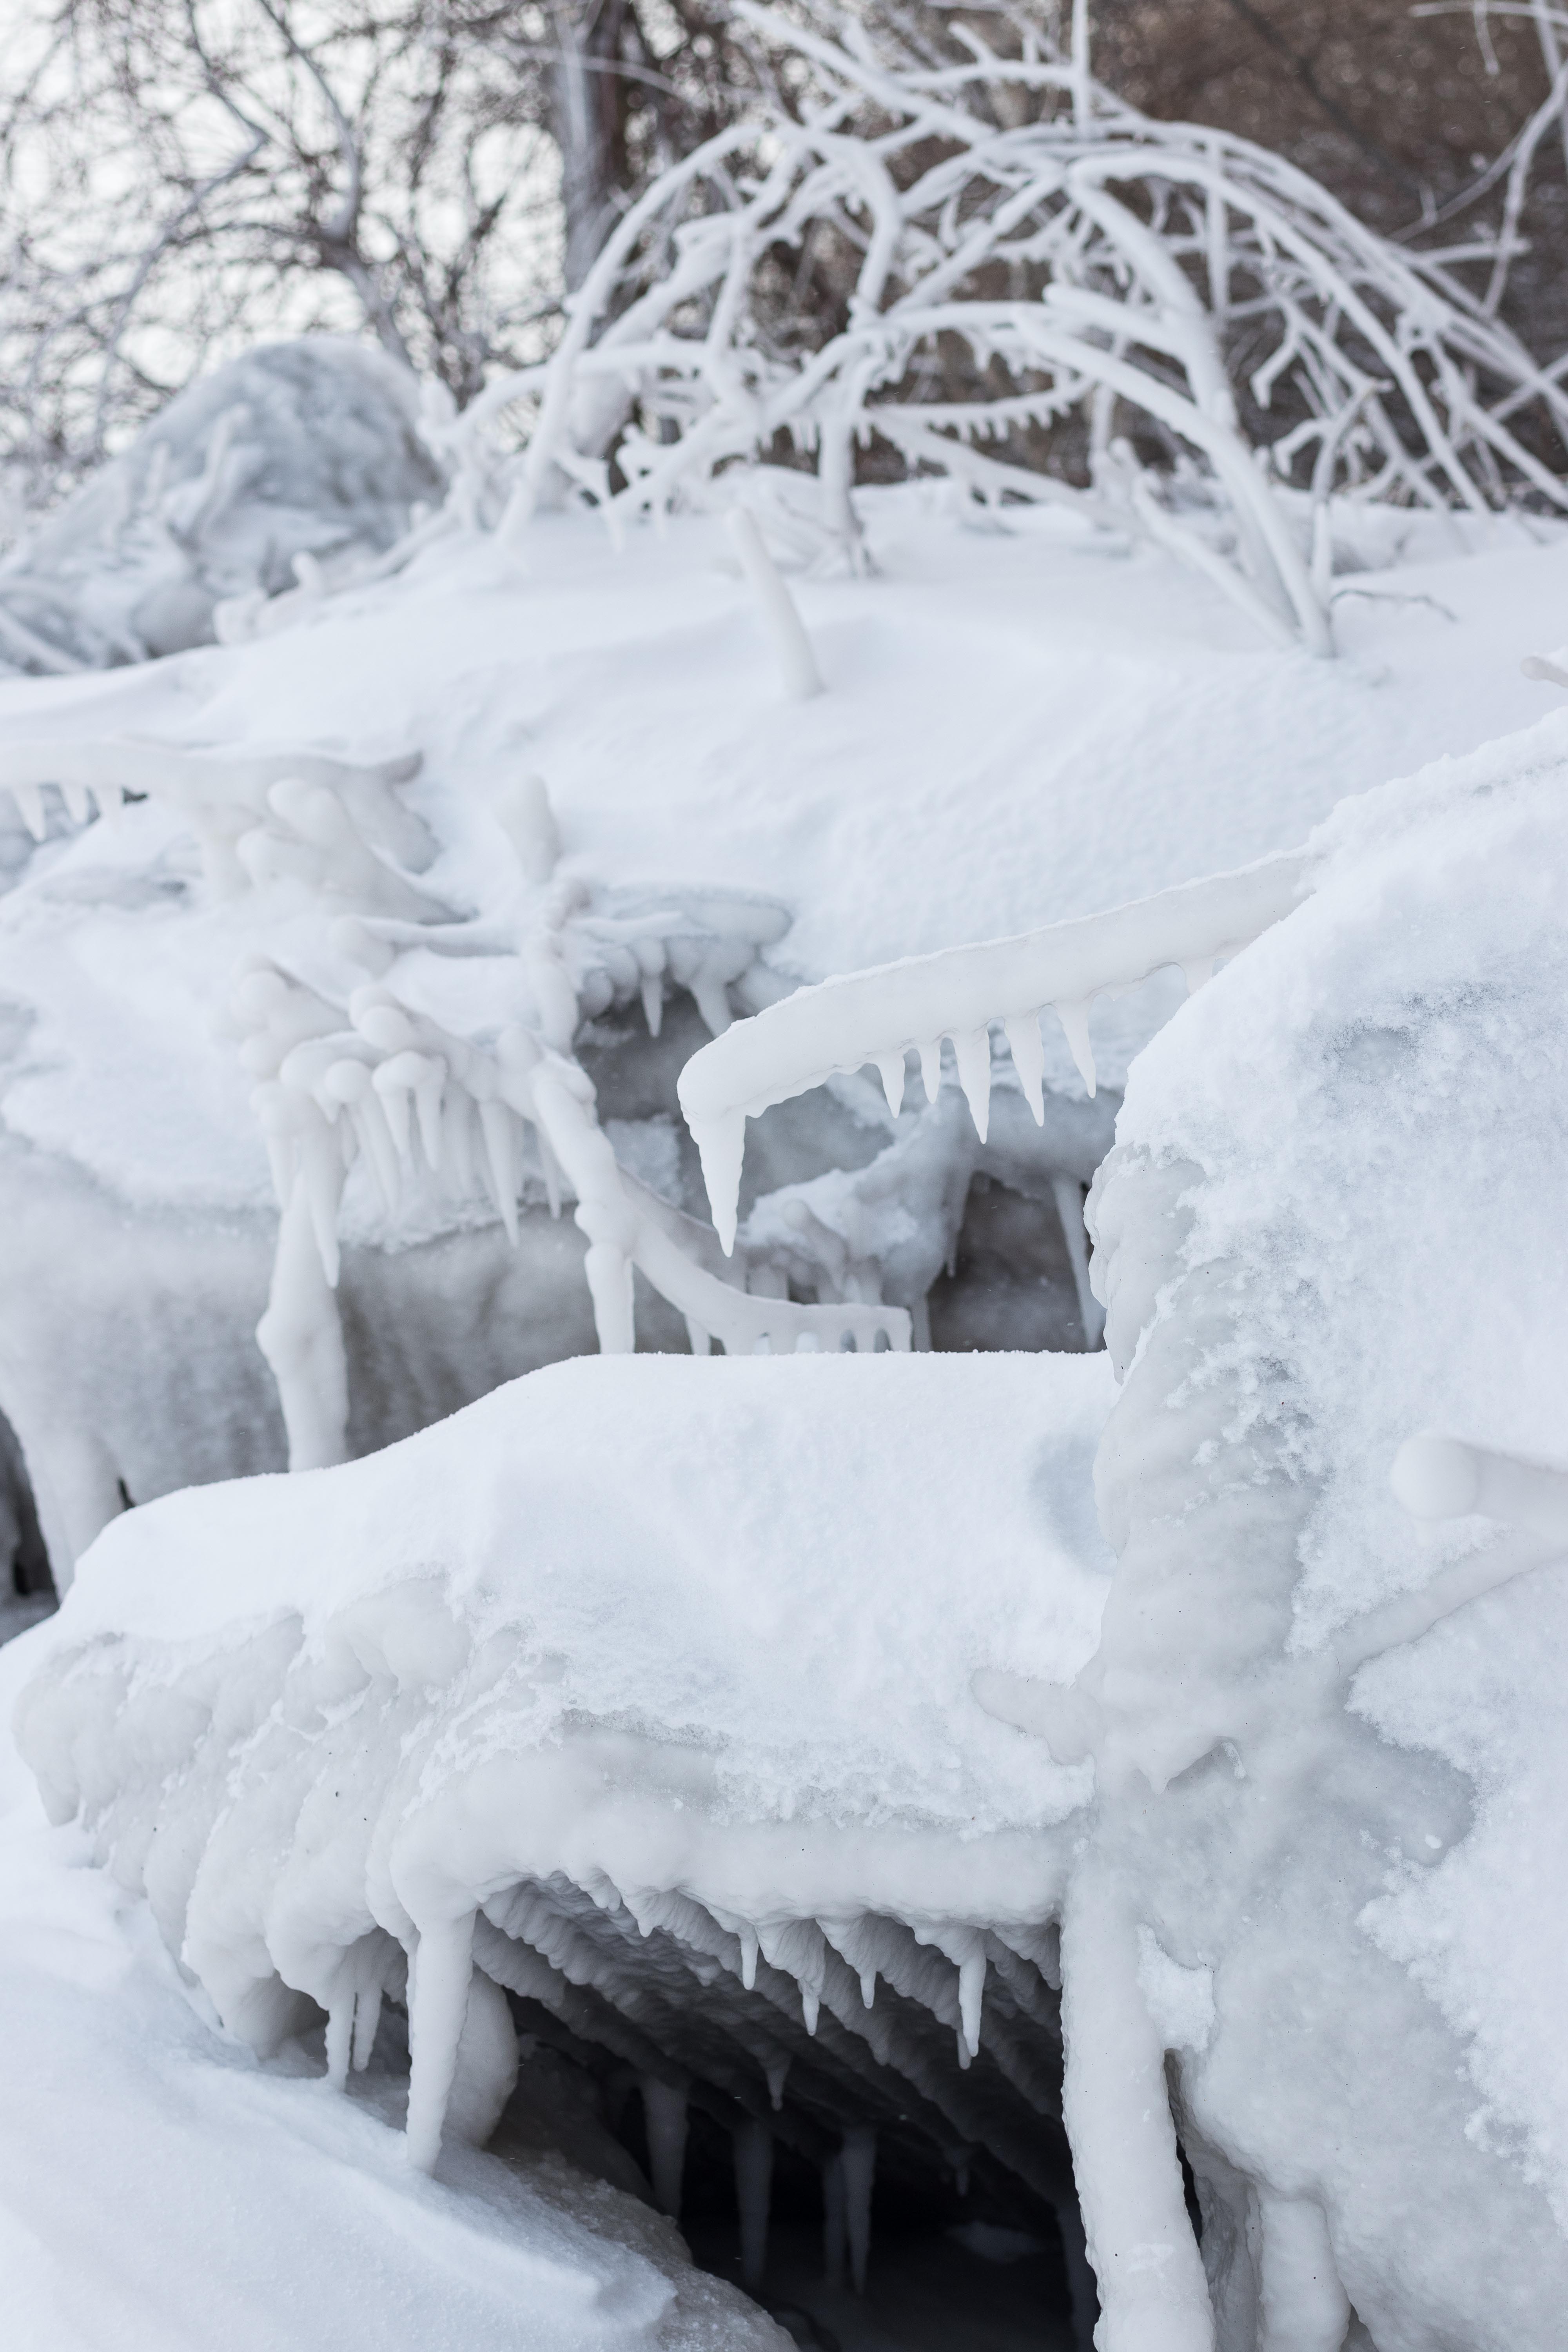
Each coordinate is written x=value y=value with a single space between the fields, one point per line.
x=27 y=1588
x=855 y=2223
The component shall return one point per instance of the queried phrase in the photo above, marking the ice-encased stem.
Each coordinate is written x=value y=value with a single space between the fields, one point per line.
x=302 y=1337
x=792 y=646
x=439 y=1979
x=1152 y=2292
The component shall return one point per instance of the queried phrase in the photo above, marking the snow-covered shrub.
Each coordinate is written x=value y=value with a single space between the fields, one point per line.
x=275 y=475
x=823 y=1680
x=1016 y=247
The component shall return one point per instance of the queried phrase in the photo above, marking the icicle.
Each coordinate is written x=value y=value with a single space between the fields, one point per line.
x=965 y=2055
x=1198 y=974
x=498 y=1125
x=972 y=1051
x=792 y=646
x=930 y=1067
x=438 y=1979
x=752 y=2144
x=653 y=1002
x=427 y=1091
x=891 y=1066
x=972 y=1996
x=699 y=1342
x=1029 y=1050
x=664 y=2114
x=749 y=1958
x=722 y=1145
x=551 y=1169
x=458 y=1141
x=833 y=2218
x=777 y=2072
x=530 y=823
x=1074 y=1019
x=74 y=793
x=321 y=1172
x=810 y=2008
x=390 y=1086
x=29 y=801
x=859 y=2166
x=608 y=1273
x=367 y=2018
x=1154 y=2294
x=340 y=2038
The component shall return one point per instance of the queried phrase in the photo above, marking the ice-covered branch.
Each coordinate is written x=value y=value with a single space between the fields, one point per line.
x=878 y=1016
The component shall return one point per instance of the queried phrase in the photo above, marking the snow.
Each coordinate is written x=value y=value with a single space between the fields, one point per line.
x=1293 y=1299
x=1014 y=732
x=689 y=1701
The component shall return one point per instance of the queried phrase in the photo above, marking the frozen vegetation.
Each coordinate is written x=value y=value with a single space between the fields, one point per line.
x=784 y=1304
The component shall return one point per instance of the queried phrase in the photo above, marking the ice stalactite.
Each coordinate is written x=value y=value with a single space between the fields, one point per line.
x=834 y=2222
x=440 y=1972
x=753 y=2141
x=664 y=2106
x=1152 y=2294
x=857 y=2170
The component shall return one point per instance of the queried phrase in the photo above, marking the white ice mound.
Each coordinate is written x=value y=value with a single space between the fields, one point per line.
x=285 y=468
x=1332 y=1219
x=640 y=1689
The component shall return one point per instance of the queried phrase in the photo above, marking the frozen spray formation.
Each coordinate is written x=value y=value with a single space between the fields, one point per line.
x=794 y=1804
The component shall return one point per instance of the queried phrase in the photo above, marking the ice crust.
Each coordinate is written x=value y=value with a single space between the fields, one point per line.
x=688 y=1757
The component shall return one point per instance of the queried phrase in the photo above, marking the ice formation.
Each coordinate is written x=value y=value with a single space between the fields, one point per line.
x=828 y=1684
x=261 y=487
x=693 y=1776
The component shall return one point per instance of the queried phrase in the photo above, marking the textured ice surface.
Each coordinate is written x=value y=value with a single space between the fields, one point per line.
x=1330 y=1220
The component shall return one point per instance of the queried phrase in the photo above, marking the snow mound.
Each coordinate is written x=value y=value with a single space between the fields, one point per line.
x=686 y=1757
x=282 y=471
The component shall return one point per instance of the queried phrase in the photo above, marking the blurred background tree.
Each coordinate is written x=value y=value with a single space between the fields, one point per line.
x=179 y=178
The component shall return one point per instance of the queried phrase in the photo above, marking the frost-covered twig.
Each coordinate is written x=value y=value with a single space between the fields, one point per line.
x=1131 y=249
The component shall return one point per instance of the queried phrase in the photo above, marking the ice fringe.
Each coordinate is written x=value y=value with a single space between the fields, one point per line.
x=363 y=1073
x=879 y=1016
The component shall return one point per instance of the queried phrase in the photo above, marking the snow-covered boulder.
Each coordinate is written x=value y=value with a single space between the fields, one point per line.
x=285 y=467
